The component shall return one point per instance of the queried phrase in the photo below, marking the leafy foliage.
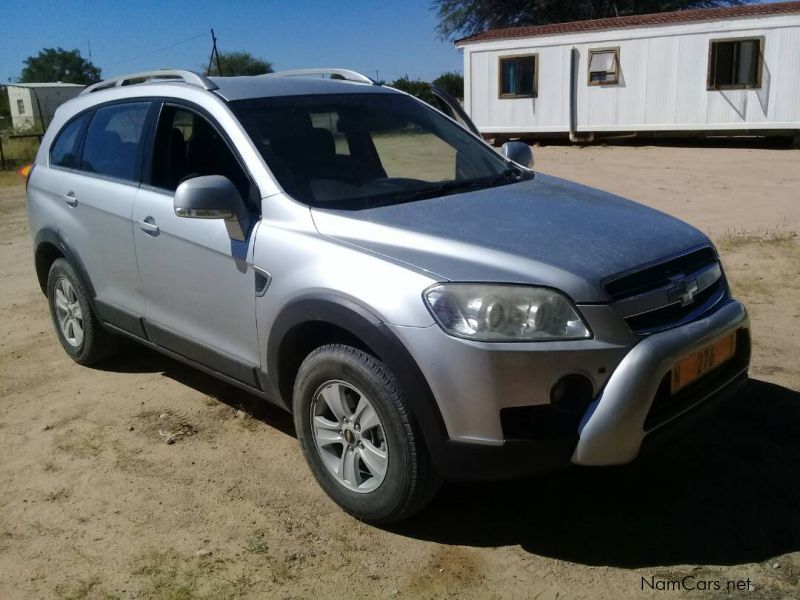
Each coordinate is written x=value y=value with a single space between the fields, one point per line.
x=415 y=87
x=239 y=63
x=452 y=83
x=57 y=64
x=464 y=17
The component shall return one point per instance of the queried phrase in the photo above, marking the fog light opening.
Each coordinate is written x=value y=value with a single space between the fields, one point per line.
x=572 y=393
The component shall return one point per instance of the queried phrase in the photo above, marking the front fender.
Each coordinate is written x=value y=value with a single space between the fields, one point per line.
x=358 y=321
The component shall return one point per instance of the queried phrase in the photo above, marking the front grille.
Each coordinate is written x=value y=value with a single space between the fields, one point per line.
x=666 y=406
x=655 y=276
x=673 y=315
x=670 y=293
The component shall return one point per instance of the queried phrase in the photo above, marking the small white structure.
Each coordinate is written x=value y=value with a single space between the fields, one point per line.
x=725 y=70
x=32 y=104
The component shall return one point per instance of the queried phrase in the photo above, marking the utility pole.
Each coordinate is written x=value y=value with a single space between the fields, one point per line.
x=214 y=53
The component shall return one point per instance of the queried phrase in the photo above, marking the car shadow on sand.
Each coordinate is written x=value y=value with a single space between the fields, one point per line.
x=727 y=493
x=134 y=358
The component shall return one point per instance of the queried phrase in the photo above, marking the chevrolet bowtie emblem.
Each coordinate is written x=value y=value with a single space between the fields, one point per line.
x=683 y=289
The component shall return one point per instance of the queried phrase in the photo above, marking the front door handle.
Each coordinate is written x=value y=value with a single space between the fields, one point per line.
x=148 y=225
x=70 y=199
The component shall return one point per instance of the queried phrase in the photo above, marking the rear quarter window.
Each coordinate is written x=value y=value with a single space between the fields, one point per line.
x=112 y=140
x=64 y=151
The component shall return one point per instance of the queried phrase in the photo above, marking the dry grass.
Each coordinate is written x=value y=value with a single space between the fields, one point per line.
x=741 y=236
x=11 y=178
x=167 y=575
x=21 y=150
x=83 y=589
x=58 y=494
x=257 y=544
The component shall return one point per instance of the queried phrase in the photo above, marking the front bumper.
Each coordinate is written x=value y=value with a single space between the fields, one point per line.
x=473 y=384
x=616 y=423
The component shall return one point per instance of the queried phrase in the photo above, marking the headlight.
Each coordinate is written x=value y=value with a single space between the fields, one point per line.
x=504 y=313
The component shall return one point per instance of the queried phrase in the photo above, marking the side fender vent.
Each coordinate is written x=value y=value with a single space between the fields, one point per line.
x=262 y=281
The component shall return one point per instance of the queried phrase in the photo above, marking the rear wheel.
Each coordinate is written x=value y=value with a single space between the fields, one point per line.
x=78 y=329
x=359 y=437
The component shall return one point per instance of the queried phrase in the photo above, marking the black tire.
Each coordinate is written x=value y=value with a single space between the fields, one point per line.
x=97 y=343
x=410 y=481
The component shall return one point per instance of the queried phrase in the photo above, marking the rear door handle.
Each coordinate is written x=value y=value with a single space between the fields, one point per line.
x=70 y=199
x=148 y=225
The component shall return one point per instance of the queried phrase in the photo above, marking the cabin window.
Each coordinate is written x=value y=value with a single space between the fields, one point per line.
x=604 y=66
x=735 y=64
x=518 y=76
x=20 y=106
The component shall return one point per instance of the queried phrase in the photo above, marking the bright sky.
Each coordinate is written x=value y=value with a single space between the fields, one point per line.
x=395 y=37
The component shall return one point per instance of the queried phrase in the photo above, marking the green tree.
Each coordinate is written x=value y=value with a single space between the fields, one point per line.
x=239 y=63
x=415 y=87
x=452 y=83
x=57 y=64
x=464 y=17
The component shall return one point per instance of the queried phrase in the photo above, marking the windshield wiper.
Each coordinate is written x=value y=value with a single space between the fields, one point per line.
x=452 y=187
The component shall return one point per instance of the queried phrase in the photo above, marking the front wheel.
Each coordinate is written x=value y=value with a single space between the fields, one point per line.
x=359 y=437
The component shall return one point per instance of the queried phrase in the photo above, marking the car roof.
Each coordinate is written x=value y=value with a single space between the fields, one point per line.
x=242 y=88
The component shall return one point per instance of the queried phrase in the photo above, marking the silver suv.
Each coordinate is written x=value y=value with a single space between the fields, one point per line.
x=426 y=307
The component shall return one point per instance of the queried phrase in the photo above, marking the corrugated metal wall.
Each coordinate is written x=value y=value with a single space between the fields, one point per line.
x=662 y=85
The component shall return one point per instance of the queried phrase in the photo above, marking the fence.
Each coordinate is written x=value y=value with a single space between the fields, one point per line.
x=19 y=149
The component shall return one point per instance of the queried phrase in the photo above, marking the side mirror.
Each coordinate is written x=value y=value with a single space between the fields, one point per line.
x=519 y=152
x=212 y=197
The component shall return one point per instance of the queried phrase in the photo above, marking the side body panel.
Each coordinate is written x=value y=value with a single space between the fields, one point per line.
x=199 y=285
x=98 y=229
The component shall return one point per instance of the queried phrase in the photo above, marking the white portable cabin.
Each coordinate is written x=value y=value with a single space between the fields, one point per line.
x=33 y=104
x=723 y=71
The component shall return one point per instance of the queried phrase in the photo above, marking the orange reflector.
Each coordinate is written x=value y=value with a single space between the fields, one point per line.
x=25 y=171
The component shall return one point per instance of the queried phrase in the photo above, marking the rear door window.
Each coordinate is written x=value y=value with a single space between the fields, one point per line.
x=112 y=141
x=64 y=151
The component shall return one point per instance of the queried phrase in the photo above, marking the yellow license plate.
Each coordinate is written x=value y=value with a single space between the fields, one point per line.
x=694 y=366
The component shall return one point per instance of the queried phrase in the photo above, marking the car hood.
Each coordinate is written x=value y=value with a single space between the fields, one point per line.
x=545 y=231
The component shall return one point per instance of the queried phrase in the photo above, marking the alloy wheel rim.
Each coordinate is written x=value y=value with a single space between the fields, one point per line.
x=349 y=436
x=68 y=312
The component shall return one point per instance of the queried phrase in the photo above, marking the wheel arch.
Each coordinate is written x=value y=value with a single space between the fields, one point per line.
x=312 y=321
x=50 y=245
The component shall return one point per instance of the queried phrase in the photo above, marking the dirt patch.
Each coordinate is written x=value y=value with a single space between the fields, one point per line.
x=165 y=427
x=94 y=502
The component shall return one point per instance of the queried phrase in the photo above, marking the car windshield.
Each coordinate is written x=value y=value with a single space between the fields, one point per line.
x=355 y=151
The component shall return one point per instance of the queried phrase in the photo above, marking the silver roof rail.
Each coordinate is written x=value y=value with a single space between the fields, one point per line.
x=346 y=74
x=187 y=77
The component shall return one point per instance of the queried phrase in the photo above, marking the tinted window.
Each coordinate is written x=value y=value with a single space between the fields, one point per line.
x=187 y=146
x=361 y=150
x=64 y=151
x=112 y=140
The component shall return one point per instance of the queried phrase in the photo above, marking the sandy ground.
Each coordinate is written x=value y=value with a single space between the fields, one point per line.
x=95 y=504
